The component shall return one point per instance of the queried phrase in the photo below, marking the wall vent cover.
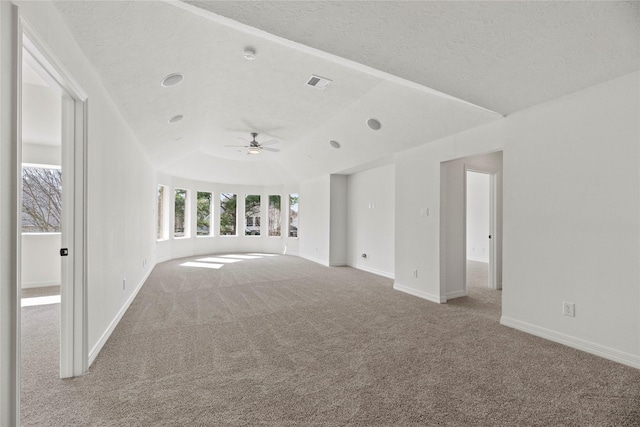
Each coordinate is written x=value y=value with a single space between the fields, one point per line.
x=318 y=82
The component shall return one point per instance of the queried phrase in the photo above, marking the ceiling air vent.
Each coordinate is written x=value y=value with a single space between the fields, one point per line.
x=318 y=82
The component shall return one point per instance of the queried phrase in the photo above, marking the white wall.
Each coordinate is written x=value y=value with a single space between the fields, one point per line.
x=452 y=225
x=200 y=245
x=40 y=259
x=571 y=196
x=42 y=115
x=314 y=219
x=121 y=186
x=417 y=234
x=338 y=220
x=371 y=220
x=478 y=216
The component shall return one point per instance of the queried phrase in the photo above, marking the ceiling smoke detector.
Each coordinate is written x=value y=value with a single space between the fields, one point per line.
x=172 y=80
x=318 y=82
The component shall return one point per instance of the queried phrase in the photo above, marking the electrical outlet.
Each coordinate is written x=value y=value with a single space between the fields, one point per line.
x=415 y=274
x=569 y=309
x=124 y=284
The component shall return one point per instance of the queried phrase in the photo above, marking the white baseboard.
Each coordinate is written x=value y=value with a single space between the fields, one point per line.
x=373 y=270
x=105 y=336
x=316 y=260
x=418 y=293
x=456 y=294
x=31 y=285
x=583 y=345
x=163 y=259
x=483 y=260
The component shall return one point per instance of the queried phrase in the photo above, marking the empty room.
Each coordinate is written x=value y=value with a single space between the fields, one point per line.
x=319 y=213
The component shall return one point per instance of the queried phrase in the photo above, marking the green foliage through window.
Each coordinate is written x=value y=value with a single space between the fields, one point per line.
x=293 y=215
x=204 y=213
x=228 y=214
x=275 y=220
x=180 y=210
x=252 y=215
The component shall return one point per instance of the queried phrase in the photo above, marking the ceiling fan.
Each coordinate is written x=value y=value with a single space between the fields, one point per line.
x=255 y=147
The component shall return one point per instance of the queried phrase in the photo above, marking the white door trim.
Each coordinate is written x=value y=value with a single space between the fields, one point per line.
x=73 y=319
x=492 y=225
x=10 y=241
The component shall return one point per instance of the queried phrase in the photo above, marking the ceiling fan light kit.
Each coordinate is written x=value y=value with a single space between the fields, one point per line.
x=255 y=147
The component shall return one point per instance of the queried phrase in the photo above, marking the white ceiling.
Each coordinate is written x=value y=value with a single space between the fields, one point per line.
x=383 y=58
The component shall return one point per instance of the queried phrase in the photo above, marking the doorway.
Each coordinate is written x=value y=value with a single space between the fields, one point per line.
x=40 y=229
x=62 y=148
x=480 y=229
x=454 y=242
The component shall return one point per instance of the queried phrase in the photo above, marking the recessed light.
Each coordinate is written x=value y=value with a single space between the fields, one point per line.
x=172 y=80
x=249 y=54
x=334 y=144
x=176 y=119
x=374 y=124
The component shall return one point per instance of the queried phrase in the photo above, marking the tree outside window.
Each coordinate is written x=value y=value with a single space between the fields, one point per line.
x=274 y=216
x=179 y=229
x=161 y=227
x=293 y=215
x=204 y=213
x=228 y=214
x=252 y=215
x=41 y=200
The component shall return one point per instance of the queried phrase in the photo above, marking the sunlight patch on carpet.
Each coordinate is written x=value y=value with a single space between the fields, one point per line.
x=30 y=302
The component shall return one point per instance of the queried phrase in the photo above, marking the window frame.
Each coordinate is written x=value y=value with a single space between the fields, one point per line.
x=289 y=216
x=258 y=217
x=39 y=166
x=269 y=217
x=186 y=230
x=235 y=227
x=164 y=215
x=211 y=214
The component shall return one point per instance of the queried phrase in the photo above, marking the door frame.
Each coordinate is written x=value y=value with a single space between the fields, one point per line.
x=493 y=228
x=73 y=316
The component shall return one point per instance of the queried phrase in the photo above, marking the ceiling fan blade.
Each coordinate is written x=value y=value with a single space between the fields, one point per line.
x=274 y=150
x=270 y=142
x=244 y=146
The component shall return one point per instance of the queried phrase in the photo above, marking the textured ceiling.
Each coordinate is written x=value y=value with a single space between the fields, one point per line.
x=385 y=60
x=503 y=56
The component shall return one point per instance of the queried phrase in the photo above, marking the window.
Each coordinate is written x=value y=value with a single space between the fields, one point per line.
x=228 y=214
x=162 y=227
x=41 y=199
x=204 y=214
x=252 y=215
x=181 y=226
x=293 y=215
x=274 y=216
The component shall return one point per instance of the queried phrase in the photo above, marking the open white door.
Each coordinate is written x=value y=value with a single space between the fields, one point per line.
x=73 y=319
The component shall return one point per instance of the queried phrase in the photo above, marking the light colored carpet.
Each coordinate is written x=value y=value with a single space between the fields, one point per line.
x=280 y=341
